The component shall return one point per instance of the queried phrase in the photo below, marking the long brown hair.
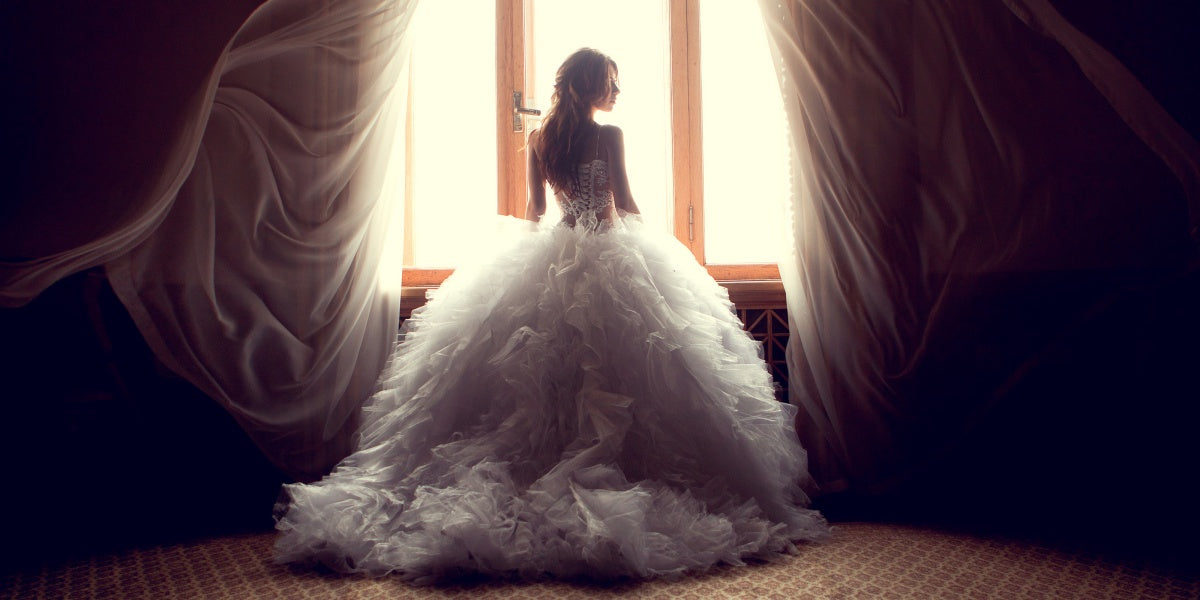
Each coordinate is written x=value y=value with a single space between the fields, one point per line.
x=582 y=80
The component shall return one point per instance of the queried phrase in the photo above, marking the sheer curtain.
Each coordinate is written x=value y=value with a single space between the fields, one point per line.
x=249 y=263
x=950 y=156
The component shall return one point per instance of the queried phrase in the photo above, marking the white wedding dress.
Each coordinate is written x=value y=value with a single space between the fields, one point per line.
x=583 y=404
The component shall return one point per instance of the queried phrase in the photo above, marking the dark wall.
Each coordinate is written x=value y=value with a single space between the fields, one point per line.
x=1156 y=40
x=93 y=91
x=103 y=447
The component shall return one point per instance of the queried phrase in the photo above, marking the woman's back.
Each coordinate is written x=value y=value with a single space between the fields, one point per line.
x=589 y=200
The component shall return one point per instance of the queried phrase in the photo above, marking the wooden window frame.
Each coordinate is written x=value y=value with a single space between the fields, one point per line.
x=755 y=283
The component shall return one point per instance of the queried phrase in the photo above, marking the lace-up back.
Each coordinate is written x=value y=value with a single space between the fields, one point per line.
x=590 y=196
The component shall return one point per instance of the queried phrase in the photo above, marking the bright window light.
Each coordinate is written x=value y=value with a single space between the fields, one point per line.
x=745 y=143
x=453 y=183
x=454 y=131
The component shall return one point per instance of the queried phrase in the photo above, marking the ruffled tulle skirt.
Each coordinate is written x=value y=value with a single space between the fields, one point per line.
x=583 y=404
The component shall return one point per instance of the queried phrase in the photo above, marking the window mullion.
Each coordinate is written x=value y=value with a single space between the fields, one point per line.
x=510 y=77
x=687 y=159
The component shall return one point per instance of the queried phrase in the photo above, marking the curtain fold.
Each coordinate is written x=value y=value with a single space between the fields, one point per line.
x=260 y=285
x=22 y=278
x=952 y=163
x=250 y=264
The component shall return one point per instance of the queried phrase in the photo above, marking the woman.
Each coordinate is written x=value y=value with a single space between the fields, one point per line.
x=585 y=404
x=586 y=83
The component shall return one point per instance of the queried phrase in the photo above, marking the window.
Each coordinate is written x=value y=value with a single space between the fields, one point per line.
x=704 y=125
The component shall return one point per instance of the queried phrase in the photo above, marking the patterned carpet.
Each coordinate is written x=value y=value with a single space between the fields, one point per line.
x=862 y=560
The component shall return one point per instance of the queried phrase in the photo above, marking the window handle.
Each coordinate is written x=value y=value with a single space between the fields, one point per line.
x=518 y=110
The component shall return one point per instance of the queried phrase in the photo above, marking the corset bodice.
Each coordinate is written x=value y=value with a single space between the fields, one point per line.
x=589 y=197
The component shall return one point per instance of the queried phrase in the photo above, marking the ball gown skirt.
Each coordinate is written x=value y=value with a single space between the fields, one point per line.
x=581 y=404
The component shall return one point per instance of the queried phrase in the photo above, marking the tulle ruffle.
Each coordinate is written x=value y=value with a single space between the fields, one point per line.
x=584 y=404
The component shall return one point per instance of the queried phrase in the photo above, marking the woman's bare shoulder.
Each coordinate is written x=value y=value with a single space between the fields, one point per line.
x=611 y=132
x=611 y=137
x=533 y=140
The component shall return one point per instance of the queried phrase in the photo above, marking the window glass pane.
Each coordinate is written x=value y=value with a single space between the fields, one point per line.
x=745 y=143
x=635 y=34
x=454 y=130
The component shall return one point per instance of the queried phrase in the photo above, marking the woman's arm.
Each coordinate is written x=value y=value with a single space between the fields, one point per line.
x=536 y=206
x=622 y=197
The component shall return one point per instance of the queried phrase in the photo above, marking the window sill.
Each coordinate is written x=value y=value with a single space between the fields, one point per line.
x=756 y=293
x=744 y=293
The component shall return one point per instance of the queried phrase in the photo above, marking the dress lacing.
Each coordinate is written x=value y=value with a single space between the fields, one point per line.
x=590 y=194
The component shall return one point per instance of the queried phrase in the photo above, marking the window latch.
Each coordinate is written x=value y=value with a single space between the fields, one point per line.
x=518 y=110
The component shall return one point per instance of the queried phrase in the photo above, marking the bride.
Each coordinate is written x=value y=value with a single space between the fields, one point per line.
x=585 y=403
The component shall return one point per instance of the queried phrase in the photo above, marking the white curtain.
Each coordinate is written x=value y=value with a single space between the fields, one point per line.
x=946 y=154
x=250 y=263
